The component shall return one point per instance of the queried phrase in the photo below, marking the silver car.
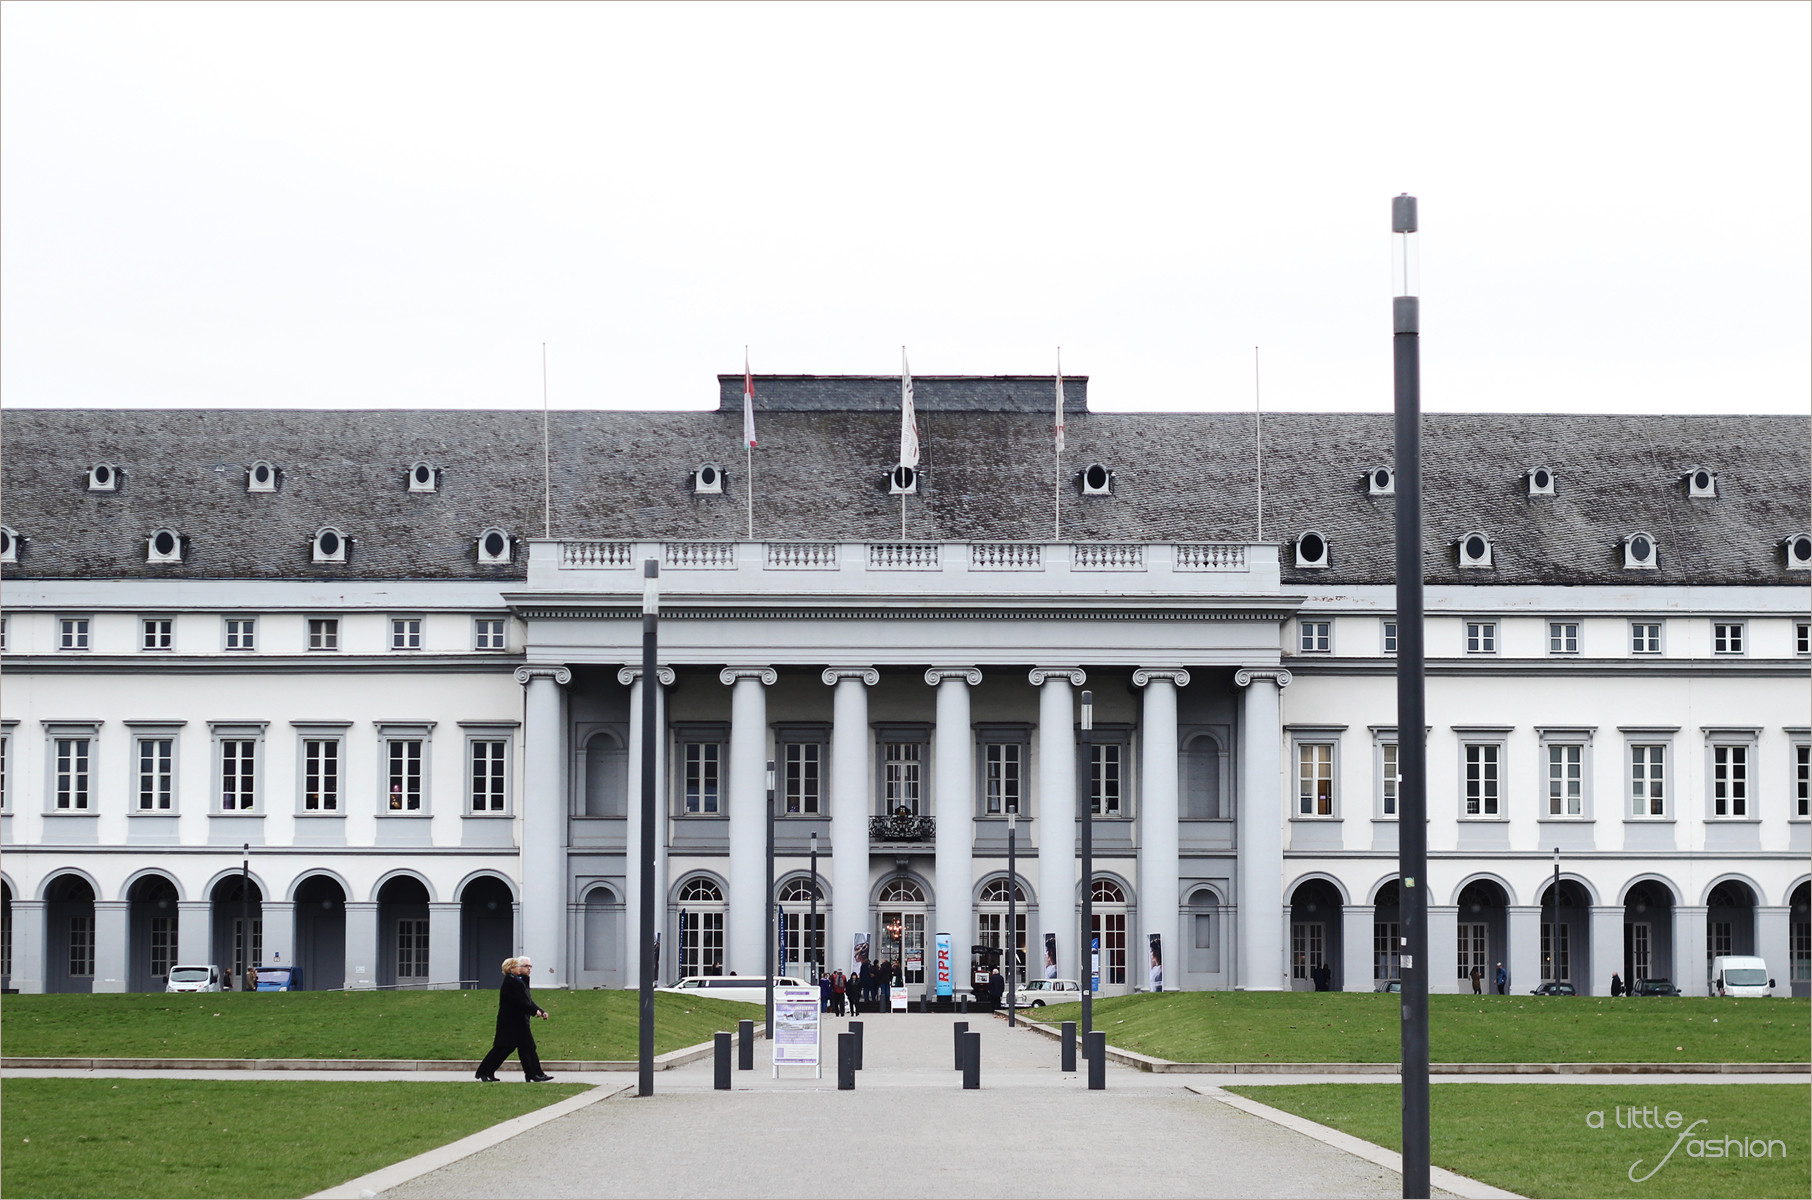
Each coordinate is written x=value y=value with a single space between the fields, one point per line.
x=1036 y=993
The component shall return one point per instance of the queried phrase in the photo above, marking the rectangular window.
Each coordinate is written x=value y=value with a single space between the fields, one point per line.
x=803 y=777
x=1802 y=637
x=238 y=774
x=1308 y=948
x=1645 y=637
x=1799 y=939
x=702 y=773
x=701 y=943
x=323 y=633
x=238 y=936
x=72 y=633
x=1802 y=779
x=4 y=623
x=1648 y=781
x=1481 y=637
x=1730 y=781
x=411 y=950
x=1002 y=771
x=405 y=633
x=156 y=774
x=72 y=770
x=1390 y=637
x=6 y=777
x=81 y=945
x=1727 y=637
x=1566 y=780
x=1483 y=778
x=488 y=775
x=1106 y=778
x=158 y=633
x=241 y=633
x=1472 y=950
x=900 y=777
x=1563 y=637
x=1550 y=953
x=1316 y=637
x=405 y=774
x=163 y=946
x=487 y=634
x=1315 y=779
x=1721 y=941
x=1388 y=781
x=1641 y=949
x=1387 y=949
x=321 y=775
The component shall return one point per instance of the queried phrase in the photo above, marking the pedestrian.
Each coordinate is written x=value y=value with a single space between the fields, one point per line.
x=997 y=987
x=251 y=979
x=865 y=987
x=1502 y=979
x=515 y=1007
x=839 y=992
x=1478 y=979
x=824 y=993
x=1617 y=988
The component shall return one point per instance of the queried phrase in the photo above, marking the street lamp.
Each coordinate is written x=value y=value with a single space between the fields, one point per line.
x=773 y=907
x=246 y=961
x=1554 y=929
x=1012 y=917
x=650 y=964
x=1088 y=864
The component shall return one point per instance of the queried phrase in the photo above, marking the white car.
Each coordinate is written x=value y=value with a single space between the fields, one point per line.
x=205 y=978
x=1740 y=975
x=1036 y=993
x=748 y=989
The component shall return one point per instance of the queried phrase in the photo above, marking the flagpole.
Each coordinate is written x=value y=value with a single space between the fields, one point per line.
x=1057 y=458
x=748 y=435
x=748 y=453
x=547 y=468
x=1258 y=429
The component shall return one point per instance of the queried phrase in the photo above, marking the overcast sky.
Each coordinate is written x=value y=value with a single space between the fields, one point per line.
x=364 y=205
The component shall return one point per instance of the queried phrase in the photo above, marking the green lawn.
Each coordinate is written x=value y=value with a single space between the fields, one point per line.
x=154 y=1137
x=1364 y=1027
x=580 y=1025
x=1538 y=1139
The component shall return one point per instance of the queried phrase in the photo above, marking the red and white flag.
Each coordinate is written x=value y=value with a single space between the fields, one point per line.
x=1060 y=401
x=748 y=400
x=909 y=421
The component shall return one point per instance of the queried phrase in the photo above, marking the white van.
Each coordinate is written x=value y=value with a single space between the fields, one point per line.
x=1740 y=975
x=747 y=988
x=204 y=978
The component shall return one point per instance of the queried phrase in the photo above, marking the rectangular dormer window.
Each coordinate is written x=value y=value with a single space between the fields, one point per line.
x=1481 y=637
x=1316 y=637
x=323 y=633
x=1563 y=637
x=1390 y=637
x=72 y=633
x=488 y=634
x=1727 y=637
x=242 y=633
x=158 y=633
x=1802 y=638
x=1645 y=637
x=405 y=633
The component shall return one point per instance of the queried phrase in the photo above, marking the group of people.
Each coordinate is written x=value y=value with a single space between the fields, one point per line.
x=841 y=995
x=1500 y=979
x=515 y=1008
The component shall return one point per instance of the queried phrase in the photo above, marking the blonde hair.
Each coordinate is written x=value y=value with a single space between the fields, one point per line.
x=509 y=965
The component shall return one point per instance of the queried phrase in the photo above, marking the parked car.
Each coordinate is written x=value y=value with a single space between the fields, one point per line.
x=1039 y=992
x=279 y=979
x=1389 y=985
x=747 y=988
x=204 y=978
x=1740 y=975
x=1654 y=987
x=1554 y=989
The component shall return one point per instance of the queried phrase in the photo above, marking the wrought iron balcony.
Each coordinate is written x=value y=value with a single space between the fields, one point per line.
x=902 y=829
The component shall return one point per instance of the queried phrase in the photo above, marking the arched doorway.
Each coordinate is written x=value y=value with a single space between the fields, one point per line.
x=1729 y=921
x=487 y=931
x=804 y=940
x=237 y=899
x=151 y=930
x=6 y=934
x=991 y=921
x=1315 y=937
x=902 y=909
x=601 y=935
x=1387 y=934
x=321 y=933
x=701 y=927
x=1205 y=957
x=1107 y=922
x=1566 y=948
x=1799 y=940
x=606 y=776
x=1648 y=933
x=1483 y=933
x=69 y=935
x=403 y=933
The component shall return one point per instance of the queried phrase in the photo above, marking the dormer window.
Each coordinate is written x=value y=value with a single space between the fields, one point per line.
x=9 y=545
x=329 y=545
x=708 y=480
x=261 y=477
x=1798 y=550
x=424 y=477
x=1701 y=484
x=1475 y=550
x=1097 y=480
x=1541 y=481
x=103 y=477
x=1381 y=481
x=1639 y=552
x=164 y=546
x=493 y=546
x=1312 y=550
x=903 y=482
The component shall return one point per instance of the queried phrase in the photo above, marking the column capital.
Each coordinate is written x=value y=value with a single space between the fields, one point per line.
x=835 y=675
x=628 y=675
x=767 y=675
x=1076 y=675
x=560 y=675
x=1145 y=675
x=1245 y=675
x=937 y=675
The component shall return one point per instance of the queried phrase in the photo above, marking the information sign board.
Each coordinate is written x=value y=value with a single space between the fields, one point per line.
x=796 y=1028
x=944 y=983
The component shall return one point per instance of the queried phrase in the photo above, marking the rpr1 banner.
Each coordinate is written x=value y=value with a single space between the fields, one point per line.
x=944 y=987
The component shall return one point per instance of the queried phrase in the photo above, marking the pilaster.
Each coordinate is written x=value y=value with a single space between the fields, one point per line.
x=1058 y=904
x=1263 y=942
x=1691 y=945
x=1356 y=948
x=747 y=921
x=955 y=811
x=28 y=946
x=849 y=810
x=361 y=944
x=111 y=969
x=1160 y=906
x=544 y=875
x=631 y=677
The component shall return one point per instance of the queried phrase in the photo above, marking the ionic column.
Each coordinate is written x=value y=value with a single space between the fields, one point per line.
x=632 y=846
x=1263 y=943
x=747 y=922
x=1692 y=944
x=111 y=973
x=544 y=884
x=1056 y=815
x=361 y=944
x=955 y=803
x=1356 y=966
x=849 y=809
x=1159 y=904
x=443 y=944
x=28 y=947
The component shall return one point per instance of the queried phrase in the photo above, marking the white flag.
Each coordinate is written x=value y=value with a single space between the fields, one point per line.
x=909 y=422
x=1060 y=402
x=748 y=401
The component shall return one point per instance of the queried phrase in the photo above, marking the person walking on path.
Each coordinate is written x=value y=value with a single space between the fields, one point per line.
x=1502 y=979
x=1478 y=979
x=515 y=1007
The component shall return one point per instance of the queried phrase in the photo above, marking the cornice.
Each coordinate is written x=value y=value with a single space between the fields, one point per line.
x=971 y=675
x=1766 y=668
x=286 y=664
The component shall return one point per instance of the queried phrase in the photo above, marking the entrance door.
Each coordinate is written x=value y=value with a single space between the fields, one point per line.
x=1109 y=924
x=1638 y=941
x=239 y=947
x=1308 y=950
x=903 y=940
x=1473 y=953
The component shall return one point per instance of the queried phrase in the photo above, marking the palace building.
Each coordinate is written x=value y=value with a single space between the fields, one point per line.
x=373 y=681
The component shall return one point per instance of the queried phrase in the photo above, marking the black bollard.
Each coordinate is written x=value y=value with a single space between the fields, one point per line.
x=846 y=1062
x=745 y=1045
x=965 y=1004
x=1068 y=1063
x=720 y=1077
x=960 y=1028
x=1097 y=1060
x=855 y=1028
x=971 y=1061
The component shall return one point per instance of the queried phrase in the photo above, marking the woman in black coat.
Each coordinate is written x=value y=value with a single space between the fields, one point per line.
x=515 y=1007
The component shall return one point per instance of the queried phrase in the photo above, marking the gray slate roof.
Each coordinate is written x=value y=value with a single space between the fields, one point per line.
x=821 y=475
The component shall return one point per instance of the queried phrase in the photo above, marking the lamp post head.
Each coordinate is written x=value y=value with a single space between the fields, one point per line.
x=1088 y=710
x=770 y=774
x=651 y=587
x=1405 y=265
x=1012 y=822
x=814 y=842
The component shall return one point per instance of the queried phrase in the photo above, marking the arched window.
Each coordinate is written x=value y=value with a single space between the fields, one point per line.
x=991 y=920
x=797 y=891
x=902 y=891
x=701 y=928
x=600 y=929
x=1204 y=950
x=1109 y=924
x=902 y=932
x=1202 y=778
x=804 y=941
x=701 y=891
x=995 y=892
x=1108 y=892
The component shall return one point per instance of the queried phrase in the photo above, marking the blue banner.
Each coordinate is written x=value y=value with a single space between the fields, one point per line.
x=1094 y=964
x=780 y=930
x=944 y=984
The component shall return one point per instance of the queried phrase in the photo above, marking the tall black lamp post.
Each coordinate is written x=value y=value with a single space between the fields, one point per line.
x=246 y=959
x=816 y=953
x=650 y=964
x=1088 y=863
x=774 y=930
x=1012 y=918
x=1554 y=929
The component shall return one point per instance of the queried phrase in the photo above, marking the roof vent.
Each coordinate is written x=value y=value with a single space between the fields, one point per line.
x=1541 y=481
x=1097 y=480
x=164 y=546
x=708 y=480
x=493 y=546
x=1798 y=550
x=1701 y=483
x=103 y=477
x=329 y=545
x=1475 y=549
x=904 y=481
x=9 y=545
x=424 y=477
x=261 y=477
x=1381 y=481
x=1311 y=550
x=1639 y=552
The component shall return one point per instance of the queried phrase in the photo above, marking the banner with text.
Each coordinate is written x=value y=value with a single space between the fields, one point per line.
x=944 y=987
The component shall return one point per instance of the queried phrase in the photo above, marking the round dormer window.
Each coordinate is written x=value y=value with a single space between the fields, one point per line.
x=424 y=475
x=1313 y=546
x=1702 y=480
x=164 y=543
x=495 y=544
x=261 y=474
x=1476 y=546
x=1801 y=549
x=904 y=477
x=329 y=543
x=103 y=475
x=1542 y=479
x=707 y=476
x=1381 y=478
x=1095 y=478
x=1641 y=548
